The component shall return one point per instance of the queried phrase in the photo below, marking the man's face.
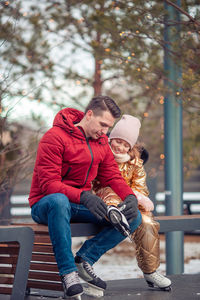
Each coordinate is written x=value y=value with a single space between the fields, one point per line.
x=96 y=126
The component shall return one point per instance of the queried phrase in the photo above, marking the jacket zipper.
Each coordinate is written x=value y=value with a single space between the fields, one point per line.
x=87 y=141
x=90 y=164
x=69 y=169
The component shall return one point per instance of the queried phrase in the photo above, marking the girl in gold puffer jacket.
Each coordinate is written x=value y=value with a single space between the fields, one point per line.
x=123 y=138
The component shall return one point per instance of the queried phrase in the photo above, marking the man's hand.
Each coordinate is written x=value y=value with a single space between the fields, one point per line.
x=131 y=207
x=95 y=204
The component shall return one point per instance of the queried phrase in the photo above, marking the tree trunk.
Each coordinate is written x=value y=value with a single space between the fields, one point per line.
x=5 y=206
x=97 y=85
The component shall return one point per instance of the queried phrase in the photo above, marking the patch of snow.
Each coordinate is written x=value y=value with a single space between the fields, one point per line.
x=117 y=264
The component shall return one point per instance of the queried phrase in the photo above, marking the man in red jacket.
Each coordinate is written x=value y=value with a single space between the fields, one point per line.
x=70 y=155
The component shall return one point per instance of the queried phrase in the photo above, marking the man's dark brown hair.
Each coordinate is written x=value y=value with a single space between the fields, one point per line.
x=102 y=103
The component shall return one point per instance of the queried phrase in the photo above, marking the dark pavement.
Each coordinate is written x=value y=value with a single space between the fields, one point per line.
x=184 y=287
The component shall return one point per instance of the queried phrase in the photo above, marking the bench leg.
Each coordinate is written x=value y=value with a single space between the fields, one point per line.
x=25 y=237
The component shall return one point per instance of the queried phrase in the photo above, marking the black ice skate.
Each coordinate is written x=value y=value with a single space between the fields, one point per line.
x=72 y=287
x=155 y=279
x=96 y=286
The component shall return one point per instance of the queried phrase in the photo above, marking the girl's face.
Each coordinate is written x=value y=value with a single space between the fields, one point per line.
x=119 y=146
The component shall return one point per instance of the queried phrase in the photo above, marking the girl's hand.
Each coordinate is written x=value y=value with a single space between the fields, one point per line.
x=144 y=201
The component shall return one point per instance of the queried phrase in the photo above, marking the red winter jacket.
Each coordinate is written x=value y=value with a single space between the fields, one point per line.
x=67 y=162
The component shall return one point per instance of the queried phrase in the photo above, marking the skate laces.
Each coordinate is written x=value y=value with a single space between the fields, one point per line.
x=89 y=269
x=71 y=279
x=157 y=276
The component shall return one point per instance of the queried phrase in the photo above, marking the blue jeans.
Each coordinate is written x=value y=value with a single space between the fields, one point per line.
x=56 y=211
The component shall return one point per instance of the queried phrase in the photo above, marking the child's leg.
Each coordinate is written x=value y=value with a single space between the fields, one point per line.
x=109 y=196
x=147 y=243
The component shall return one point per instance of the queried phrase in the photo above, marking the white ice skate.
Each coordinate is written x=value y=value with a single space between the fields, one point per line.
x=155 y=279
x=96 y=286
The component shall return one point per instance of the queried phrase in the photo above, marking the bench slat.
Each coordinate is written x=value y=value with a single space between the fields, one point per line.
x=9 y=250
x=44 y=276
x=8 y=260
x=43 y=257
x=44 y=267
x=43 y=248
x=44 y=239
x=6 y=290
x=7 y=270
x=44 y=285
x=6 y=280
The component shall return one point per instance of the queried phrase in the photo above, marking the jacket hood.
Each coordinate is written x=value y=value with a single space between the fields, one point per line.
x=67 y=117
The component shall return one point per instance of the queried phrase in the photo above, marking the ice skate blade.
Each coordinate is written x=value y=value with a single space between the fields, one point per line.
x=153 y=286
x=93 y=291
x=77 y=297
x=167 y=289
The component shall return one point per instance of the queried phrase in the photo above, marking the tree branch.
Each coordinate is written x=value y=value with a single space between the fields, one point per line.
x=183 y=12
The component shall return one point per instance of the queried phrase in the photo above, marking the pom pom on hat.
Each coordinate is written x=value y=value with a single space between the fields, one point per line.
x=127 y=128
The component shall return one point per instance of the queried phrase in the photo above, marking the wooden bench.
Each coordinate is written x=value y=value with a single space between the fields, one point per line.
x=43 y=272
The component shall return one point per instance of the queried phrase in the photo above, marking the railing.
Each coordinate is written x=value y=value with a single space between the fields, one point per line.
x=191 y=201
x=20 y=210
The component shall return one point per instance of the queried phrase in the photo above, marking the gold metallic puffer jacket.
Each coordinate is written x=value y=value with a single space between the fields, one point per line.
x=146 y=236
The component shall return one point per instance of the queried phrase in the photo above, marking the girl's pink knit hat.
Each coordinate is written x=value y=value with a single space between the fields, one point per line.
x=127 y=128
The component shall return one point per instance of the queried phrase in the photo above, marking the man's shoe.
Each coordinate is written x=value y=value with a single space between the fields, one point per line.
x=86 y=272
x=71 y=285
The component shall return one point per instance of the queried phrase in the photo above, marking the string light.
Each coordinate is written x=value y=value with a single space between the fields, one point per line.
x=81 y=20
x=133 y=54
x=161 y=100
x=162 y=156
x=138 y=69
x=107 y=49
